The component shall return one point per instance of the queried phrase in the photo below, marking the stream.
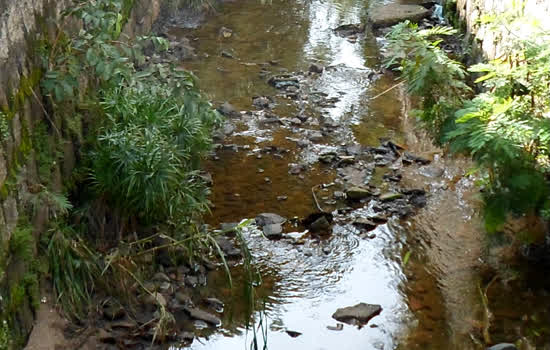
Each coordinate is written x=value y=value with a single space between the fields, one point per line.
x=422 y=269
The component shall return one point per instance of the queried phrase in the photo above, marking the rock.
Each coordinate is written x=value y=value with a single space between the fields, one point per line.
x=228 y=110
x=282 y=198
x=228 y=248
x=293 y=334
x=410 y=158
x=295 y=121
x=273 y=231
x=187 y=336
x=316 y=68
x=328 y=157
x=388 y=15
x=106 y=337
x=183 y=298
x=338 y=195
x=113 y=311
x=155 y=299
x=201 y=315
x=432 y=171
x=228 y=128
x=200 y=324
x=346 y=30
x=215 y=303
x=268 y=219
x=227 y=54
x=229 y=227
x=330 y=122
x=191 y=281
x=390 y=196
x=319 y=225
x=161 y=277
x=182 y=50
x=503 y=346
x=225 y=32
x=338 y=327
x=365 y=224
x=295 y=169
x=358 y=193
x=282 y=81
x=316 y=136
x=357 y=314
x=261 y=102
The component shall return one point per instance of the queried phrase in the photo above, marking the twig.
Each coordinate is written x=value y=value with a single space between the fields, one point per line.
x=488 y=315
x=315 y=198
x=388 y=90
x=45 y=112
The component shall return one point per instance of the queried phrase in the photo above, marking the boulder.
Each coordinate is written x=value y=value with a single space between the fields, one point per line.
x=388 y=15
x=273 y=231
x=357 y=314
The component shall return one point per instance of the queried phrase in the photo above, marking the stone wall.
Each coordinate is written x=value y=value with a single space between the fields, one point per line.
x=491 y=41
x=37 y=151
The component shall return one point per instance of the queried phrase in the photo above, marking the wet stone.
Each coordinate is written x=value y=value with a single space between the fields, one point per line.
x=273 y=231
x=361 y=313
x=320 y=225
x=201 y=315
x=228 y=110
x=316 y=68
x=269 y=218
x=316 y=136
x=503 y=346
x=161 y=277
x=364 y=223
x=358 y=193
x=228 y=248
x=390 y=196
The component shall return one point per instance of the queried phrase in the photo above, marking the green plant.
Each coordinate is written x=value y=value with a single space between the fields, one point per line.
x=5 y=336
x=74 y=269
x=505 y=128
x=428 y=71
x=22 y=244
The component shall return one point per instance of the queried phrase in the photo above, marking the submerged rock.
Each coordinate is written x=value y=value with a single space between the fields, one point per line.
x=388 y=15
x=357 y=314
x=316 y=68
x=346 y=30
x=228 y=110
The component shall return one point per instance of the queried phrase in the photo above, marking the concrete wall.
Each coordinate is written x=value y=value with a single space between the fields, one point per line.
x=37 y=151
x=491 y=42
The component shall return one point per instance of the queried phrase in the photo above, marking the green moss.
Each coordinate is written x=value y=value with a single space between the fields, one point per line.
x=22 y=244
x=30 y=282
x=5 y=336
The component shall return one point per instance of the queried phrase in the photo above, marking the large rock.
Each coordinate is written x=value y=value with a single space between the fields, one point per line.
x=357 y=314
x=358 y=193
x=385 y=16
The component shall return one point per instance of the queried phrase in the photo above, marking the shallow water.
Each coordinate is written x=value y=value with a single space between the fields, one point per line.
x=433 y=301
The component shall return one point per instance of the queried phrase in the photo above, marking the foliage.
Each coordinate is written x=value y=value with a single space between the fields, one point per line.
x=428 y=71
x=5 y=336
x=147 y=157
x=22 y=243
x=74 y=269
x=505 y=128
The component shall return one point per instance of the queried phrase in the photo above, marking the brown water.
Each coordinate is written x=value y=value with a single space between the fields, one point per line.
x=431 y=303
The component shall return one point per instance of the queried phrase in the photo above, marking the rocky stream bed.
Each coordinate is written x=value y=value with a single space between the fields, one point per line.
x=366 y=236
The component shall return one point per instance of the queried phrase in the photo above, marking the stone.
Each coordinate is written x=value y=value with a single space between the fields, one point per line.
x=388 y=15
x=358 y=193
x=228 y=248
x=338 y=195
x=432 y=171
x=183 y=298
x=338 y=327
x=390 y=196
x=227 y=54
x=225 y=32
x=229 y=227
x=228 y=110
x=113 y=311
x=346 y=30
x=261 y=102
x=360 y=313
x=316 y=68
x=319 y=225
x=295 y=169
x=293 y=334
x=201 y=315
x=282 y=198
x=503 y=346
x=161 y=277
x=268 y=219
x=365 y=224
x=216 y=303
x=273 y=231
x=316 y=136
